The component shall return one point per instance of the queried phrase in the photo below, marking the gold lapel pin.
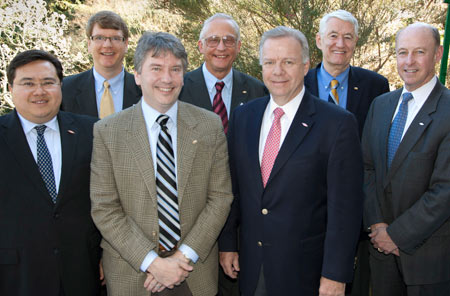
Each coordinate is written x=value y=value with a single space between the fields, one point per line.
x=71 y=132
x=304 y=124
x=421 y=123
x=244 y=91
x=355 y=88
x=194 y=142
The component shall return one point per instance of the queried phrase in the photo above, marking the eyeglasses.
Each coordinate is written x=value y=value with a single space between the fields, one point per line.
x=46 y=85
x=112 y=39
x=214 y=41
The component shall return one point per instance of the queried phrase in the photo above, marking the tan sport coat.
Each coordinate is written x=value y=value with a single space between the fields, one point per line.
x=124 y=203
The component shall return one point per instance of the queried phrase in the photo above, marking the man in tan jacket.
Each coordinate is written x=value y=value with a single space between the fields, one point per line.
x=160 y=182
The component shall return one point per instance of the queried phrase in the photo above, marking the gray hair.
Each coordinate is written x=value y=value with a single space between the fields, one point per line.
x=339 y=14
x=280 y=32
x=222 y=16
x=433 y=30
x=159 y=43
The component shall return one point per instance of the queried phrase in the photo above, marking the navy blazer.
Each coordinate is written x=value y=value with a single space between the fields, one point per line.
x=363 y=86
x=413 y=196
x=313 y=199
x=245 y=88
x=79 y=97
x=43 y=244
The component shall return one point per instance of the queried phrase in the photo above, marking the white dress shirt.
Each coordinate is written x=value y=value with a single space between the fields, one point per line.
x=52 y=139
x=211 y=80
x=290 y=109
x=153 y=129
x=420 y=96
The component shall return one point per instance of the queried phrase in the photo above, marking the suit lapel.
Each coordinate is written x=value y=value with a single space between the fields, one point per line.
x=86 y=97
x=353 y=92
x=16 y=140
x=300 y=127
x=138 y=144
x=239 y=93
x=416 y=129
x=311 y=83
x=186 y=148
x=69 y=138
x=198 y=89
x=129 y=91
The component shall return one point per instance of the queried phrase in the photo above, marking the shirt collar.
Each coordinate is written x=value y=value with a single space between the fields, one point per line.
x=290 y=108
x=422 y=93
x=28 y=126
x=211 y=80
x=326 y=77
x=150 y=115
x=113 y=82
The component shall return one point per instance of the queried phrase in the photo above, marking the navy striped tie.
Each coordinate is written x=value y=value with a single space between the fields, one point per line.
x=44 y=162
x=166 y=188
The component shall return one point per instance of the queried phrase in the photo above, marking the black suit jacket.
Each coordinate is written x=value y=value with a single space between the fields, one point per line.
x=78 y=93
x=363 y=86
x=413 y=196
x=42 y=244
x=313 y=199
x=245 y=88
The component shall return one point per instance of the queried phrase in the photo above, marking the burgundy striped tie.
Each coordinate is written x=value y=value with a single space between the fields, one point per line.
x=219 y=106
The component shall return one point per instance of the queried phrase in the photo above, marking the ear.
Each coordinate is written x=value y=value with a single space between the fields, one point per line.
x=239 y=46
x=319 y=41
x=200 y=46
x=439 y=53
x=137 y=77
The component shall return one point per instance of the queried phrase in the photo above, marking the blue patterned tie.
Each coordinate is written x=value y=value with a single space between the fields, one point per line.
x=166 y=188
x=397 y=127
x=44 y=162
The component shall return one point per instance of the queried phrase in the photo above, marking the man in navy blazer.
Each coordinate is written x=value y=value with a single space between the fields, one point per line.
x=296 y=169
x=337 y=38
x=49 y=244
x=407 y=174
x=107 y=37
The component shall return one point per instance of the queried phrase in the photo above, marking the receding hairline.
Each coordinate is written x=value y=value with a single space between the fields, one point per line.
x=433 y=32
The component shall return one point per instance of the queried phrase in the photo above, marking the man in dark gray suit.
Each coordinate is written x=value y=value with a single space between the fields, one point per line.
x=220 y=43
x=406 y=146
x=107 y=87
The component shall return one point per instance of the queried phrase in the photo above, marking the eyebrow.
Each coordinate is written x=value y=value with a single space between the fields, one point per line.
x=31 y=79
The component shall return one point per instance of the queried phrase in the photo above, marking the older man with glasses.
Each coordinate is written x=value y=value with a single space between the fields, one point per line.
x=106 y=88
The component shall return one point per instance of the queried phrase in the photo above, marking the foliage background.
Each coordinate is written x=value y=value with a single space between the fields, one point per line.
x=58 y=26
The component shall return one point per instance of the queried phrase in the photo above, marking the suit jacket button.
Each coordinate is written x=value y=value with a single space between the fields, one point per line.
x=259 y=244
x=265 y=211
x=56 y=215
x=154 y=233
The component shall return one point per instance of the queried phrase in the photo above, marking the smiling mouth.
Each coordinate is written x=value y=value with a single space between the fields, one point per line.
x=221 y=56
x=411 y=71
x=107 y=53
x=40 y=102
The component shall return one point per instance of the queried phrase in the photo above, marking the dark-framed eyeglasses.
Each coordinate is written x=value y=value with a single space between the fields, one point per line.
x=31 y=86
x=214 y=41
x=112 y=39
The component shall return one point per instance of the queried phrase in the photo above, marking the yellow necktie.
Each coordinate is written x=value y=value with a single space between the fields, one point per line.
x=334 y=84
x=106 y=104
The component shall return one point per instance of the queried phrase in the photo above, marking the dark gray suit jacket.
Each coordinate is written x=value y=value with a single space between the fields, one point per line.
x=79 y=93
x=413 y=196
x=245 y=88
x=363 y=86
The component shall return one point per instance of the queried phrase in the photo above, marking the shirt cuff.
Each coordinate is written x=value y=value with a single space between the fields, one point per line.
x=188 y=252
x=148 y=260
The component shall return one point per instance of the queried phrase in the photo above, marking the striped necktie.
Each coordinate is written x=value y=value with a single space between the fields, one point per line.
x=44 y=162
x=334 y=97
x=166 y=188
x=219 y=106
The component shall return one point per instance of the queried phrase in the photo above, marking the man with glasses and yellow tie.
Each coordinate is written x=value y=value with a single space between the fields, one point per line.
x=106 y=88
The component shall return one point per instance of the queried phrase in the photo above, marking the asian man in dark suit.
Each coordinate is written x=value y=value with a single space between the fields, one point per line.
x=107 y=87
x=356 y=89
x=220 y=43
x=406 y=148
x=297 y=174
x=49 y=244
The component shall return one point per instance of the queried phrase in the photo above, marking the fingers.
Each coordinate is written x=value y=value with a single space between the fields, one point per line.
x=236 y=263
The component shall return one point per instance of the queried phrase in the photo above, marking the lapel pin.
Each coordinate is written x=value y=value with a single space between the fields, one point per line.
x=304 y=124
x=71 y=132
x=420 y=123
x=244 y=91
x=194 y=142
x=241 y=103
x=355 y=88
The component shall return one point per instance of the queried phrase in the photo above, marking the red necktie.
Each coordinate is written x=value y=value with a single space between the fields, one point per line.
x=219 y=106
x=272 y=146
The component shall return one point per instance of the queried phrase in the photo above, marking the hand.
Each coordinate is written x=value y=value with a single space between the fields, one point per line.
x=102 y=274
x=230 y=263
x=382 y=241
x=180 y=256
x=331 y=288
x=151 y=284
x=169 y=271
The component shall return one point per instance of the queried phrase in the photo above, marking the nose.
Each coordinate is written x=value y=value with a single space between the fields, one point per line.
x=166 y=76
x=340 y=41
x=221 y=45
x=410 y=59
x=38 y=89
x=278 y=68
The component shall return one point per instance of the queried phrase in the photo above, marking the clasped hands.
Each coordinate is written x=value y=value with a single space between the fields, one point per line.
x=167 y=272
x=381 y=240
